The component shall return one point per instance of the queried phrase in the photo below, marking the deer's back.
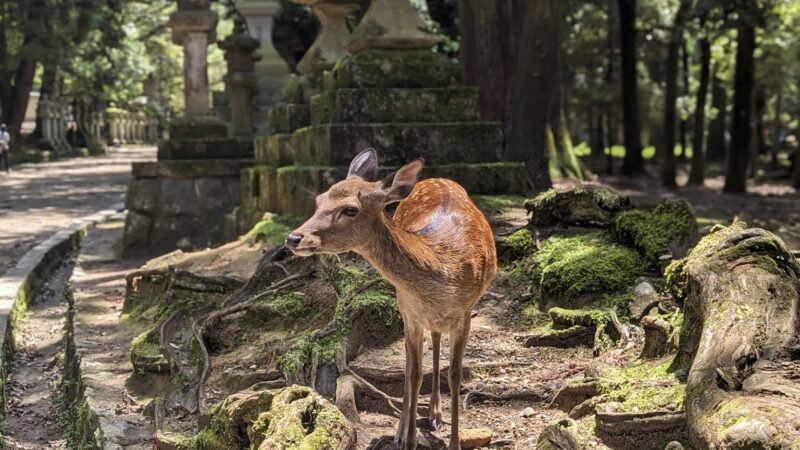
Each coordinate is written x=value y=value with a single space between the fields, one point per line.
x=441 y=217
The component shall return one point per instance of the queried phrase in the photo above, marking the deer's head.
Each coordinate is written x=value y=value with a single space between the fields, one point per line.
x=347 y=213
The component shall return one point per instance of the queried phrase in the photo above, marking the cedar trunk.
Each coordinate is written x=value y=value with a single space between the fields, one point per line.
x=633 y=162
x=715 y=143
x=741 y=127
x=697 y=172
x=535 y=82
x=668 y=146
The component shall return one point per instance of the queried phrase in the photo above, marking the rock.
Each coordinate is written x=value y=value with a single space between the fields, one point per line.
x=586 y=204
x=475 y=438
x=184 y=244
x=559 y=436
x=674 y=445
x=528 y=412
x=608 y=407
x=644 y=294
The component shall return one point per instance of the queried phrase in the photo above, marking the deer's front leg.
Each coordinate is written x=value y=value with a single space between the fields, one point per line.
x=407 y=433
x=435 y=410
x=458 y=344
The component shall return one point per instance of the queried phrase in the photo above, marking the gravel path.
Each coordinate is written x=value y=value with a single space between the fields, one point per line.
x=37 y=200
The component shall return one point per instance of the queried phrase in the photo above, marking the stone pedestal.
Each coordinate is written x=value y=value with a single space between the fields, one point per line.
x=393 y=93
x=183 y=199
x=271 y=70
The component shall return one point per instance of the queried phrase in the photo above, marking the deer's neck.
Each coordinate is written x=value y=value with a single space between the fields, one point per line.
x=399 y=255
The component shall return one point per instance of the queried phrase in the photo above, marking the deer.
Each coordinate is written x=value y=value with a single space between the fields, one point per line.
x=438 y=251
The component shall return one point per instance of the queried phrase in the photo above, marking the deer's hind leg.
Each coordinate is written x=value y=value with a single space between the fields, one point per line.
x=458 y=344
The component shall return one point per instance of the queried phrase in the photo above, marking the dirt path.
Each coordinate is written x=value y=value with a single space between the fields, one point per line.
x=32 y=408
x=37 y=200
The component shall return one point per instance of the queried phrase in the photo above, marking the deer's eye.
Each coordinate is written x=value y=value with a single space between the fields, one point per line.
x=350 y=211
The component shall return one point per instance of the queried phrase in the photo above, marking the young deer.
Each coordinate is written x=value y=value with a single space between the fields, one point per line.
x=437 y=250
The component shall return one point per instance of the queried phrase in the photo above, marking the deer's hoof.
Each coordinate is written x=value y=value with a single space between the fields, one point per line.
x=436 y=422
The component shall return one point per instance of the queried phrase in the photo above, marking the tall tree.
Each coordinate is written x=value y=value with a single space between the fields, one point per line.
x=697 y=172
x=490 y=33
x=633 y=162
x=741 y=126
x=715 y=143
x=670 y=97
x=535 y=81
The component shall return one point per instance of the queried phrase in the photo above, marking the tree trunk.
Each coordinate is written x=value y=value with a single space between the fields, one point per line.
x=777 y=129
x=739 y=340
x=697 y=172
x=23 y=83
x=684 y=122
x=715 y=143
x=741 y=126
x=633 y=163
x=609 y=123
x=535 y=82
x=670 y=97
x=489 y=46
x=758 y=146
x=562 y=156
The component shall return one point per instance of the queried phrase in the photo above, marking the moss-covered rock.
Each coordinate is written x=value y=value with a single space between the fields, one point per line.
x=572 y=271
x=146 y=354
x=581 y=205
x=666 y=232
x=269 y=231
x=293 y=418
x=644 y=386
x=394 y=68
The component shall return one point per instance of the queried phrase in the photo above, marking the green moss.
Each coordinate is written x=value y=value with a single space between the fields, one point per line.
x=586 y=263
x=142 y=345
x=521 y=243
x=270 y=231
x=643 y=386
x=606 y=198
x=652 y=232
x=491 y=204
x=298 y=355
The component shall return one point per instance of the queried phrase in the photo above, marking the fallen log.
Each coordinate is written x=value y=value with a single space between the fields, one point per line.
x=740 y=290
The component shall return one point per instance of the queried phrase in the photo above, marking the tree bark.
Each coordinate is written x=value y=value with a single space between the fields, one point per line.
x=741 y=126
x=777 y=129
x=715 y=143
x=697 y=172
x=535 y=82
x=670 y=97
x=739 y=338
x=609 y=122
x=758 y=147
x=633 y=163
x=490 y=33
x=684 y=122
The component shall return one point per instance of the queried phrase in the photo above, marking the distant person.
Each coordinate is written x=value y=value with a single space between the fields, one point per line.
x=5 y=146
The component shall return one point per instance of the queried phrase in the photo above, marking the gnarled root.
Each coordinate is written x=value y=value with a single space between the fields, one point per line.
x=741 y=316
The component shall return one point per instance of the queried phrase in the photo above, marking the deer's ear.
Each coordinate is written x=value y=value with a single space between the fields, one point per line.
x=365 y=165
x=399 y=184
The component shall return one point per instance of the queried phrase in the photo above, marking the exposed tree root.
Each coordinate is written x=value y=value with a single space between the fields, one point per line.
x=569 y=337
x=530 y=395
x=640 y=430
x=657 y=333
x=572 y=394
x=741 y=315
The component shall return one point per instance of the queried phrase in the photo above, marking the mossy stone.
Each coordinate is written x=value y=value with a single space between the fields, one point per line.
x=582 y=205
x=393 y=68
x=287 y=117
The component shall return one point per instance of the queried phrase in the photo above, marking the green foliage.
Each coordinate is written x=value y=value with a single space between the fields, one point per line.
x=143 y=345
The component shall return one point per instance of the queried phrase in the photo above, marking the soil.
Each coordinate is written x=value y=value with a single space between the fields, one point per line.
x=32 y=390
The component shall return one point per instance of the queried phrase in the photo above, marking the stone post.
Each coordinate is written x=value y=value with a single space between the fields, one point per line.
x=391 y=24
x=193 y=26
x=59 y=125
x=45 y=116
x=333 y=34
x=240 y=79
x=271 y=69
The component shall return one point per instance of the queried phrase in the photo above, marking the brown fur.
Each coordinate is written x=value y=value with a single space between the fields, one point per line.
x=437 y=250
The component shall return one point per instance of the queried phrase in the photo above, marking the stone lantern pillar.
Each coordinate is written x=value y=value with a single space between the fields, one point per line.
x=240 y=79
x=271 y=70
x=194 y=27
x=45 y=116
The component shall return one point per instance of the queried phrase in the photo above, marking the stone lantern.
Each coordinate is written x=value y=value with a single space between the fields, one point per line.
x=241 y=79
x=271 y=70
x=328 y=48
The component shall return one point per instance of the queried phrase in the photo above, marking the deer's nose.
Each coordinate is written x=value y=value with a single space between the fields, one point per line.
x=294 y=239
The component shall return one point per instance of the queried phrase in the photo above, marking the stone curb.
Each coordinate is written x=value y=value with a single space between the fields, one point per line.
x=24 y=281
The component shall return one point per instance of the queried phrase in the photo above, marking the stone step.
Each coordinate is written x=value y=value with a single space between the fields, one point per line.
x=205 y=148
x=291 y=190
x=395 y=105
x=274 y=150
x=396 y=144
x=393 y=68
x=198 y=127
x=287 y=117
